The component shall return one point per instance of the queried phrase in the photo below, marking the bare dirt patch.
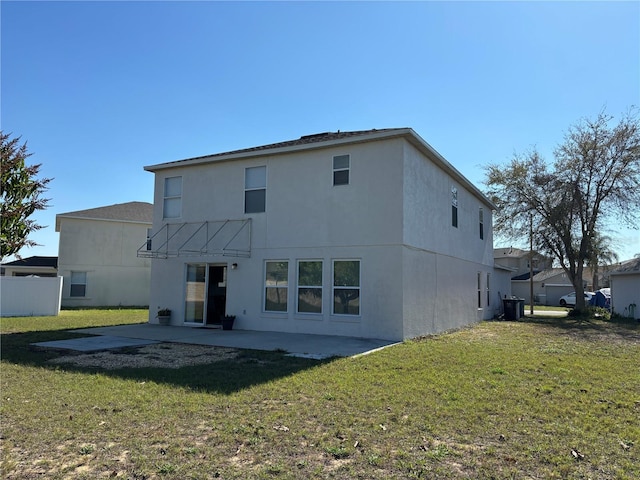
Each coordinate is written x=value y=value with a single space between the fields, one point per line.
x=161 y=355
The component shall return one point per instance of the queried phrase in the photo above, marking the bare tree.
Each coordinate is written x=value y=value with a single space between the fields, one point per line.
x=595 y=177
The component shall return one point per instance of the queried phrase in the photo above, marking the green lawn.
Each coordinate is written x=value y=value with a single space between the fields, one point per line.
x=542 y=398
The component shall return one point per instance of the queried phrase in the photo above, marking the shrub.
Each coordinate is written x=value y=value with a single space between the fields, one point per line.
x=590 y=313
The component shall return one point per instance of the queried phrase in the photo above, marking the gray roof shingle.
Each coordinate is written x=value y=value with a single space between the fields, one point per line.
x=128 y=212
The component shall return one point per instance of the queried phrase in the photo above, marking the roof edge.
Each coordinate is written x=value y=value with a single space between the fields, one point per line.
x=374 y=135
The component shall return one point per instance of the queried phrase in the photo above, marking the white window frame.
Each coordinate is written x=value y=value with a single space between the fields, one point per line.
x=316 y=287
x=341 y=169
x=261 y=186
x=77 y=283
x=479 y=276
x=171 y=198
x=335 y=287
x=266 y=286
x=481 y=222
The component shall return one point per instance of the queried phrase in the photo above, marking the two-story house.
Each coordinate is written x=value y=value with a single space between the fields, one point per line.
x=365 y=234
x=97 y=255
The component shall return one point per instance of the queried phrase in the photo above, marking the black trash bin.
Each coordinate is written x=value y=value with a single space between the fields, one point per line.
x=512 y=308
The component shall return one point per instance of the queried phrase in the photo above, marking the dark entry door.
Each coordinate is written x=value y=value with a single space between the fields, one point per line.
x=217 y=294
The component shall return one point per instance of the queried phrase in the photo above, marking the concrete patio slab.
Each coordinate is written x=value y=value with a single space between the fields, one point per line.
x=297 y=344
x=93 y=344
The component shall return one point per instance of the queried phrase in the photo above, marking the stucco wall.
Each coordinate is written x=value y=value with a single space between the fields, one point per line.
x=107 y=252
x=303 y=206
x=380 y=295
x=30 y=296
x=625 y=290
x=418 y=276
x=427 y=213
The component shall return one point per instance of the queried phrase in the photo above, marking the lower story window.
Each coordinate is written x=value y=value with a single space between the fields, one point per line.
x=346 y=287
x=488 y=289
x=195 y=293
x=310 y=286
x=276 y=286
x=479 y=290
x=78 y=284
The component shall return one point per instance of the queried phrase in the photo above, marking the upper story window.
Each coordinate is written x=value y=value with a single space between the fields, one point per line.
x=172 y=206
x=454 y=207
x=341 y=164
x=149 y=232
x=255 y=189
x=481 y=222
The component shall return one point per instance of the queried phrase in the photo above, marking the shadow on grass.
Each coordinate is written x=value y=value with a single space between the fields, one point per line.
x=589 y=329
x=250 y=367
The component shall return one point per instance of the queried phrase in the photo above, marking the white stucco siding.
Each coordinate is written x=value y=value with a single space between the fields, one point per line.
x=625 y=291
x=303 y=207
x=418 y=273
x=427 y=212
x=106 y=252
x=441 y=292
x=380 y=291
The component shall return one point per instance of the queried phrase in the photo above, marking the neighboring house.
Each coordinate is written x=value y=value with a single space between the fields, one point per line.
x=548 y=286
x=365 y=234
x=97 y=255
x=518 y=260
x=25 y=267
x=625 y=288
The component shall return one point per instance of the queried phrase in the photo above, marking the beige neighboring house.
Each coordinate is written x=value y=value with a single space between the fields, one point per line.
x=97 y=255
x=518 y=260
x=625 y=288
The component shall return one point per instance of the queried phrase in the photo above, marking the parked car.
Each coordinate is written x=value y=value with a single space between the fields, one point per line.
x=569 y=300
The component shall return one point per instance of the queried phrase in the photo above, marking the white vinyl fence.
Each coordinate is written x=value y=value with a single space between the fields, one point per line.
x=30 y=296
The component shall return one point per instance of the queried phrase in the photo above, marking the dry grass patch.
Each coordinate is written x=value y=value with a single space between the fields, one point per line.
x=162 y=355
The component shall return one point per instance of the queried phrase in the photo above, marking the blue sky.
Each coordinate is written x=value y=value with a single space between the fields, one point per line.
x=100 y=89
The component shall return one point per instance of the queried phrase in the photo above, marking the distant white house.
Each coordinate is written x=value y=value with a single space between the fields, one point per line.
x=97 y=255
x=365 y=234
x=625 y=288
